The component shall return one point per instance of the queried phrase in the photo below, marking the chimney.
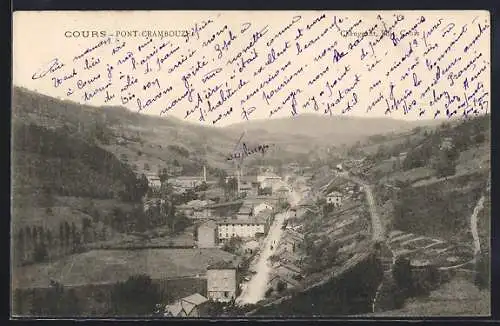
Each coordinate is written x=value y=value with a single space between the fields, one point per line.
x=204 y=173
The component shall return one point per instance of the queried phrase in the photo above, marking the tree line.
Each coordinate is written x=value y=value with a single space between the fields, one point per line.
x=137 y=296
x=71 y=166
x=37 y=243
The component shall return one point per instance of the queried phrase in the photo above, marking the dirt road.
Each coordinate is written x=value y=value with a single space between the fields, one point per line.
x=255 y=289
x=377 y=228
x=473 y=225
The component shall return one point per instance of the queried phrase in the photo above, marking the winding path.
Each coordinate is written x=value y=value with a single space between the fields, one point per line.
x=473 y=225
x=378 y=233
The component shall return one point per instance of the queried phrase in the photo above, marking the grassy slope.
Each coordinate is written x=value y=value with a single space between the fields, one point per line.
x=453 y=197
x=459 y=297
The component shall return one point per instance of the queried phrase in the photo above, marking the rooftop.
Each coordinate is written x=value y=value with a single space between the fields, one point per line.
x=187 y=178
x=285 y=279
x=246 y=220
x=223 y=265
x=187 y=304
x=264 y=213
x=209 y=224
x=270 y=175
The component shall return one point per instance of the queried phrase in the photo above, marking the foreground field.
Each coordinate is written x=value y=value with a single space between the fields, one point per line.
x=459 y=297
x=111 y=266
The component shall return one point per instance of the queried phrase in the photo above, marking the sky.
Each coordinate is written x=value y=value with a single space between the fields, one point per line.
x=219 y=68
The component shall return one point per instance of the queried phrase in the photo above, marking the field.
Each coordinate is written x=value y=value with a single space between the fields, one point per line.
x=70 y=209
x=110 y=266
x=412 y=175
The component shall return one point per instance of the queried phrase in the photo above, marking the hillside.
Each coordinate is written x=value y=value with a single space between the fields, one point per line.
x=327 y=130
x=64 y=192
x=142 y=141
x=432 y=191
x=438 y=176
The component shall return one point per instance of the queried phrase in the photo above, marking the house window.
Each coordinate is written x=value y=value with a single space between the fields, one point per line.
x=226 y=294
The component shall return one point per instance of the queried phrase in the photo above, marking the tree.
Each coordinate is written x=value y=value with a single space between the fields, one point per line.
x=71 y=304
x=20 y=246
x=41 y=233
x=61 y=235
x=281 y=286
x=135 y=297
x=86 y=229
x=49 y=237
x=479 y=138
x=54 y=299
x=34 y=232
x=482 y=279
x=402 y=275
x=76 y=238
x=445 y=163
x=233 y=245
x=40 y=253
x=18 y=301
x=163 y=174
x=67 y=234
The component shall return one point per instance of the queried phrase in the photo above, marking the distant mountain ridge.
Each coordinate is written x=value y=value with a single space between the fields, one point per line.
x=338 y=129
x=148 y=142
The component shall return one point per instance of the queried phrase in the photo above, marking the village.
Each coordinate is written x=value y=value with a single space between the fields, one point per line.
x=249 y=240
x=264 y=229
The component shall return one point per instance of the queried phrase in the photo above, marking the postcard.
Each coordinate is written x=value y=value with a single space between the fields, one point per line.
x=206 y=164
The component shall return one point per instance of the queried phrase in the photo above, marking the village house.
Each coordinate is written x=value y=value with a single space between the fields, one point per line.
x=174 y=170
x=286 y=257
x=290 y=241
x=287 y=269
x=268 y=176
x=249 y=185
x=215 y=194
x=190 y=306
x=261 y=207
x=241 y=227
x=287 y=282
x=222 y=282
x=334 y=198
x=266 y=215
x=153 y=181
x=186 y=182
x=245 y=211
x=196 y=209
x=446 y=144
x=207 y=235
x=245 y=188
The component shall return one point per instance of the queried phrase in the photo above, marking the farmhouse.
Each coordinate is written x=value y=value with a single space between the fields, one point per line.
x=261 y=207
x=196 y=209
x=153 y=181
x=186 y=182
x=207 y=235
x=189 y=306
x=241 y=227
x=222 y=282
x=287 y=282
x=268 y=176
x=334 y=198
